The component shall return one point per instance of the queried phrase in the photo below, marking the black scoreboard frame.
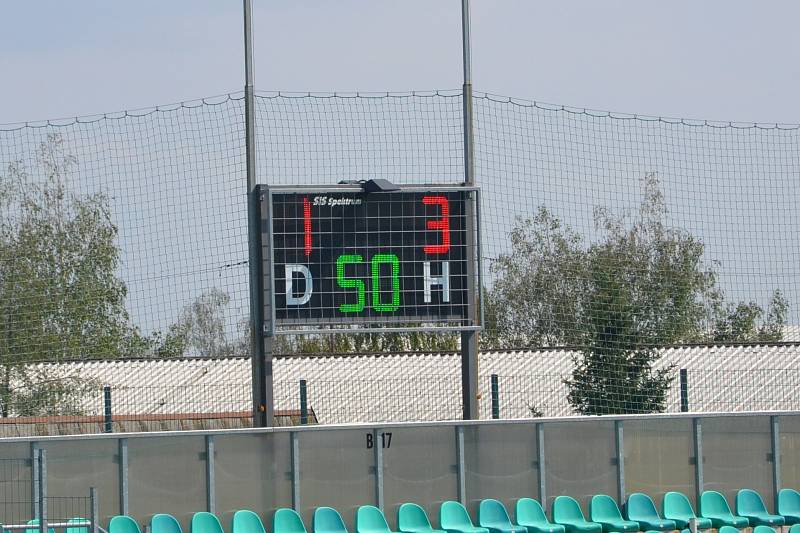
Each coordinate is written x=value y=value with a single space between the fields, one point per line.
x=275 y=321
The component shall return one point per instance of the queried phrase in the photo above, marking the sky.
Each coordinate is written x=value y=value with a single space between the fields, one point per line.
x=725 y=60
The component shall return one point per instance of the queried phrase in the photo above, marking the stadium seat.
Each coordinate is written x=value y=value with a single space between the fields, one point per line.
x=245 y=521
x=726 y=529
x=603 y=510
x=676 y=507
x=123 y=524
x=204 y=522
x=714 y=507
x=77 y=529
x=164 y=523
x=493 y=516
x=286 y=521
x=328 y=520
x=567 y=512
x=763 y=529
x=789 y=506
x=411 y=518
x=750 y=505
x=641 y=509
x=795 y=529
x=35 y=522
x=530 y=515
x=370 y=519
x=453 y=518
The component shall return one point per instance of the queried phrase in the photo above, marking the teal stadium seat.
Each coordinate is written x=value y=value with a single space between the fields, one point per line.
x=328 y=520
x=370 y=519
x=763 y=529
x=204 y=522
x=530 y=515
x=604 y=510
x=77 y=529
x=795 y=529
x=726 y=529
x=750 y=505
x=676 y=507
x=286 y=521
x=789 y=506
x=453 y=518
x=714 y=506
x=567 y=512
x=411 y=518
x=35 y=522
x=493 y=516
x=164 y=523
x=123 y=524
x=245 y=521
x=641 y=509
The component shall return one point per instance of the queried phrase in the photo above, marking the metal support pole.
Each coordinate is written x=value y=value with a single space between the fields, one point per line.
x=211 y=493
x=620 y=436
x=260 y=344
x=698 y=458
x=295 y=471
x=461 y=475
x=94 y=511
x=469 y=339
x=541 y=463
x=684 y=391
x=776 y=459
x=495 y=398
x=35 y=479
x=123 y=476
x=42 y=491
x=303 y=403
x=108 y=426
x=377 y=447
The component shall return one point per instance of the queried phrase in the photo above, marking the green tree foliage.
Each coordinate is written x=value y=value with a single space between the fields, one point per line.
x=640 y=285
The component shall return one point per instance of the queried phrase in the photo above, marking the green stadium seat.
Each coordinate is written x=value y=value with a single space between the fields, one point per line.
x=123 y=524
x=789 y=506
x=750 y=505
x=641 y=509
x=328 y=520
x=35 y=522
x=530 y=515
x=493 y=516
x=370 y=519
x=77 y=529
x=714 y=506
x=763 y=529
x=286 y=521
x=676 y=507
x=245 y=521
x=411 y=518
x=204 y=522
x=795 y=529
x=453 y=518
x=567 y=512
x=164 y=523
x=727 y=529
x=603 y=510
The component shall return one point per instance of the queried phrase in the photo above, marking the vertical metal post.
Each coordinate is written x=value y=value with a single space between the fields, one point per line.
x=295 y=471
x=303 y=403
x=94 y=511
x=108 y=425
x=123 y=476
x=461 y=475
x=469 y=339
x=698 y=455
x=776 y=459
x=377 y=447
x=495 y=398
x=260 y=343
x=35 y=479
x=211 y=493
x=541 y=464
x=42 y=491
x=684 y=390
x=620 y=436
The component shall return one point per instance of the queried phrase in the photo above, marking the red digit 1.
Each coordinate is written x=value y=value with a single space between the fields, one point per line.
x=443 y=225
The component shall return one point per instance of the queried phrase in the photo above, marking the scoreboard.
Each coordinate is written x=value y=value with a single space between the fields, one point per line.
x=338 y=256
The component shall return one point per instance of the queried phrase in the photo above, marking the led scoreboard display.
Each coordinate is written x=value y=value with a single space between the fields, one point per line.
x=342 y=256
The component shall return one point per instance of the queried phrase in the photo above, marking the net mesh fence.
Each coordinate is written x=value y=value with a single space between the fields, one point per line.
x=607 y=240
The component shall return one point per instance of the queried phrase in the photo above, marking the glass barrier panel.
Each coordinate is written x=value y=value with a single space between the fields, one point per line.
x=790 y=451
x=166 y=475
x=419 y=466
x=737 y=454
x=580 y=460
x=16 y=485
x=659 y=457
x=73 y=467
x=501 y=463
x=252 y=471
x=337 y=469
